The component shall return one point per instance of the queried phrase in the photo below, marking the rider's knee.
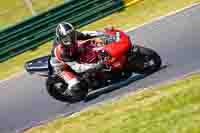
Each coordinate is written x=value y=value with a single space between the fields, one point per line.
x=57 y=66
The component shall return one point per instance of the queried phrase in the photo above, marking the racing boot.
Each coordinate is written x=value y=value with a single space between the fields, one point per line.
x=76 y=89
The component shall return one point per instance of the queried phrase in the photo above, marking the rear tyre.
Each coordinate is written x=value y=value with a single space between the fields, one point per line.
x=57 y=88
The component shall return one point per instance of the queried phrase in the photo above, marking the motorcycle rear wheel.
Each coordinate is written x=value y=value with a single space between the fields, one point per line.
x=56 y=87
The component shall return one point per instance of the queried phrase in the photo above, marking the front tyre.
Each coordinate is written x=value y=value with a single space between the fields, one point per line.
x=57 y=88
x=146 y=61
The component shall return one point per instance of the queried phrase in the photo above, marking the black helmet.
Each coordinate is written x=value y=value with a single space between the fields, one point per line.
x=65 y=32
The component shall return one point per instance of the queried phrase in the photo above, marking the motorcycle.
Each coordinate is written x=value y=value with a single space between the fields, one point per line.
x=139 y=60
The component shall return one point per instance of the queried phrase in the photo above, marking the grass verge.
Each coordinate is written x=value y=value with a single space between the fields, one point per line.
x=132 y=16
x=14 y=11
x=170 y=108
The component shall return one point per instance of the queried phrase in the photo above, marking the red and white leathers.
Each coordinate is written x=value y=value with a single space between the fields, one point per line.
x=65 y=60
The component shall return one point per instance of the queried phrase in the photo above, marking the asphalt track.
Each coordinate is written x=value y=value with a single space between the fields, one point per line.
x=24 y=101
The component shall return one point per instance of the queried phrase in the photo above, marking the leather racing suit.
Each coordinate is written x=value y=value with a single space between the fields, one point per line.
x=64 y=60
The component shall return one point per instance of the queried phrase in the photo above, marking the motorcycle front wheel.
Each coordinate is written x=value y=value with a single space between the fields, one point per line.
x=146 y=61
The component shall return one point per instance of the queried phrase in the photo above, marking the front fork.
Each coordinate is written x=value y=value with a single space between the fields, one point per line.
x=133 y=53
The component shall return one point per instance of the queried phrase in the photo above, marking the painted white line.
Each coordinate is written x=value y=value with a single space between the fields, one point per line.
x=130 y=29
x=162 y=17
x=16 y=75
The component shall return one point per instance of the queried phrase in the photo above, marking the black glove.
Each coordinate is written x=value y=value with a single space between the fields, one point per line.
x=104 y=56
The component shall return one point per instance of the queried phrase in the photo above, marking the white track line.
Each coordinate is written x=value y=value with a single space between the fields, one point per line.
x=164 y=16
x=16 y=75
x=131 y=29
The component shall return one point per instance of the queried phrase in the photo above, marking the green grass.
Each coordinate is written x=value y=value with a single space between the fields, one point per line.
x=170 y=108
x=13 y=11
x=43 y=6
x=132 y=16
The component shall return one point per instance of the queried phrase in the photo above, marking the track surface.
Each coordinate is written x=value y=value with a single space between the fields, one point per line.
x=24 y=101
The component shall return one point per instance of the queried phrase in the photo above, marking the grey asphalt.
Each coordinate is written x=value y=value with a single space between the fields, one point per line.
x=25 y=102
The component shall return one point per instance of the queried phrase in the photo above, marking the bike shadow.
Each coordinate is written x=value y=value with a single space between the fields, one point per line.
x=135 y=77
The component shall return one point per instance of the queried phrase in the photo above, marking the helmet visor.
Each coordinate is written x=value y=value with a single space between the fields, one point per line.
x=69 y=39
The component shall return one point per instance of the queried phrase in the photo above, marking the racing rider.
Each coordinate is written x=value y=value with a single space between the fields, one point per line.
x=65 y=52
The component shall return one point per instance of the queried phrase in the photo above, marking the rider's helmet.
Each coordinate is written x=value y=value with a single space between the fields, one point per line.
x=65 y=32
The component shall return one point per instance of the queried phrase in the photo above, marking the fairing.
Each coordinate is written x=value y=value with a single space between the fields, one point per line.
x=38 y=66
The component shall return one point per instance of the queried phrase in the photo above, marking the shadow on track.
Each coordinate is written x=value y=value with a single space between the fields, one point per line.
x=96 y=93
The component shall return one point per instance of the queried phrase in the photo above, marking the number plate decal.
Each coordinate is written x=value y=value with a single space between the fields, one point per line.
x=117 y=37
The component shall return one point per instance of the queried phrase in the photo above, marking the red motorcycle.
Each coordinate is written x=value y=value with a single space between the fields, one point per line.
x=120 y=64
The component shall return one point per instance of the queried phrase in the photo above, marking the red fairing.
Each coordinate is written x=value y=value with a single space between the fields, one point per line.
x=119 y=47
x=117 y=50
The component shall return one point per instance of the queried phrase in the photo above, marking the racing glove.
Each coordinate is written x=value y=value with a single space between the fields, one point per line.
x=104 y=57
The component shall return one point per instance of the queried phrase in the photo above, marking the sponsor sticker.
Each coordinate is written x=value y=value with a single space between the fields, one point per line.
x=117 y=37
